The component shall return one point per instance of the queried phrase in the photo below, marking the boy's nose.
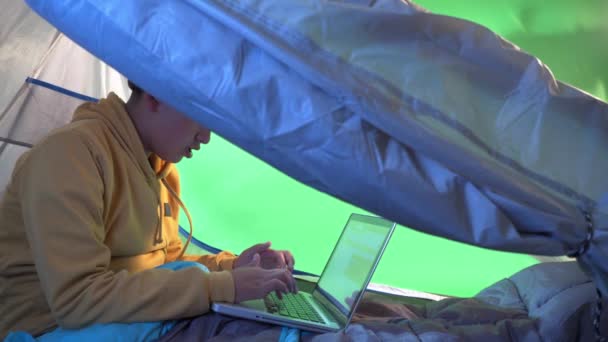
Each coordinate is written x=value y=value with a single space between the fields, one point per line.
x=203 y=136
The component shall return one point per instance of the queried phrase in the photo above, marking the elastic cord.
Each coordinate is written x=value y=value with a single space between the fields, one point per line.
x=597 y=317
x=584 y=246
x=582 y=249
x=164 y=171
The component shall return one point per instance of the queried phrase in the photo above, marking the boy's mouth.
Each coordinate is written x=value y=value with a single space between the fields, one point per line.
x=189 y=150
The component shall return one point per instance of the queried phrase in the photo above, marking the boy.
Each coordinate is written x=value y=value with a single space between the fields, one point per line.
x=91 y=213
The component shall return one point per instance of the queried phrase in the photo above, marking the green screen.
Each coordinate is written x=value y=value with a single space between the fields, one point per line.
x=236 y=200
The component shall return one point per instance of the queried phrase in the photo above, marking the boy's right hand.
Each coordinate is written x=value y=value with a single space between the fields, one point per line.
x=254 y=282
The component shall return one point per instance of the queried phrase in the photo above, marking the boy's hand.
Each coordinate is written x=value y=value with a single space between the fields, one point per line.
x=253 y=282
x=269 y=258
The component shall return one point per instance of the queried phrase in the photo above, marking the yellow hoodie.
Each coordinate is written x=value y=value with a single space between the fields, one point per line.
x=80 y=232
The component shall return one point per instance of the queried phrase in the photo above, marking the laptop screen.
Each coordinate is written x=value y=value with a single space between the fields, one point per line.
x=353 y=261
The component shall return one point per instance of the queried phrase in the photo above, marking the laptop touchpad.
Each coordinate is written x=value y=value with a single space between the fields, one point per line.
x=256 y=304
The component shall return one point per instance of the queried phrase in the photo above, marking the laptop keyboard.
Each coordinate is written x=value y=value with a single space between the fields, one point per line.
x=292 y=305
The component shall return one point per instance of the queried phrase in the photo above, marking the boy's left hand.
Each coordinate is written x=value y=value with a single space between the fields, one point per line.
x=269 y=258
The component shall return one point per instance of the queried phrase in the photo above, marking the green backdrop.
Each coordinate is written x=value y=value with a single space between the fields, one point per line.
x=236 y=200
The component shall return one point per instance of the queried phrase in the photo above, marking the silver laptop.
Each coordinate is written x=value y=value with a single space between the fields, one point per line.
x=335 y=297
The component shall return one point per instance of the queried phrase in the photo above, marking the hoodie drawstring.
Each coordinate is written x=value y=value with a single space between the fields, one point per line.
x=166 y=169
x=159 y=227
x=181 y=204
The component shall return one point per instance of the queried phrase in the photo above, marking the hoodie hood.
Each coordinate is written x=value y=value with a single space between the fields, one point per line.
x=113 y=113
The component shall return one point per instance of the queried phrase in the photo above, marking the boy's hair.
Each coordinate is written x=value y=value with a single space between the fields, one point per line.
x=135 y=89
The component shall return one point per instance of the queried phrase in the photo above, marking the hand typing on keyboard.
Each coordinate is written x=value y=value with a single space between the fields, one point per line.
x=253 y=282
x=269 y=258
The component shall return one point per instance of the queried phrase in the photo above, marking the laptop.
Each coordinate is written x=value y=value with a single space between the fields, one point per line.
x=334 y=299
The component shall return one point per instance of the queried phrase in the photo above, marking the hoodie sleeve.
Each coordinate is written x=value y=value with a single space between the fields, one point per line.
x=61 y=189
x=214 y=262
x=222 y=261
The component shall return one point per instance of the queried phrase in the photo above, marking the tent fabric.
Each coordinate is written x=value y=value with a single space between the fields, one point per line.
x=25 y=41
x=431 y=121
x=34 y=53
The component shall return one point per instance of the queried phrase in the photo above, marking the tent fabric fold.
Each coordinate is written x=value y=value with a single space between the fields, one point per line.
x=434 y=122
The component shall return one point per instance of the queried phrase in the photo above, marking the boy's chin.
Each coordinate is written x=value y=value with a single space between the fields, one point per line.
x=172 y=158
x=176 y=159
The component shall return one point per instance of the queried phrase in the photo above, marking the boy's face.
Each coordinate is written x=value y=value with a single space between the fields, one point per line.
x=174 y=135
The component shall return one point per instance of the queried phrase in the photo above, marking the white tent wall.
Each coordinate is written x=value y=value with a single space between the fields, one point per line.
x=31 y=48
x=26 y=39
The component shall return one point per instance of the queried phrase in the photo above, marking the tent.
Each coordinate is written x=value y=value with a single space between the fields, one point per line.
x=506 y=174
x=552 y=34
